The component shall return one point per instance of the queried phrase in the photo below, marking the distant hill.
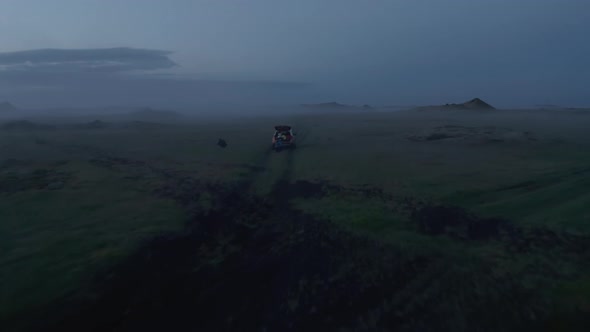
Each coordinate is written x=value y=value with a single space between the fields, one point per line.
x=477 y=103
x=473 y=104
x=6 y=107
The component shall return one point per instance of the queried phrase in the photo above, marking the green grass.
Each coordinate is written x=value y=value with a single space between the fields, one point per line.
x=54 y=241
x=557 y=200
x=353 y=211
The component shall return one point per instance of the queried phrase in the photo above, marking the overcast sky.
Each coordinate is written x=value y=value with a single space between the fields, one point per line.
x=508 y=52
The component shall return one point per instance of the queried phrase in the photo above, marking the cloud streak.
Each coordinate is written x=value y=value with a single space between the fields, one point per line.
x=124 y=76
x=110 y=60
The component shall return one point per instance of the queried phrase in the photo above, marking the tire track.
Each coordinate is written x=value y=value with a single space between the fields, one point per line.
x=255 y=264
x=237 y=268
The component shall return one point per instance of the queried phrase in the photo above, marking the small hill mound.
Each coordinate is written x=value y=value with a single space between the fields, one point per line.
x=473 y=104
x=477 y=103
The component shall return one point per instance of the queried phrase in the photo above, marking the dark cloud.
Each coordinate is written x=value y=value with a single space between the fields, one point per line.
x=122 y=76
x=110 y=60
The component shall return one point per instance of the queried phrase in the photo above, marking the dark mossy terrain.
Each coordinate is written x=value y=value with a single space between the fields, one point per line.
x=405 y=221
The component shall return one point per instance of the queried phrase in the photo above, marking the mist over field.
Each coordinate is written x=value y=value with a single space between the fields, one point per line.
x=273 y=165
x=194 y=54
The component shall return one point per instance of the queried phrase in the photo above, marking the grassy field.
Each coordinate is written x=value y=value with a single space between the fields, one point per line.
x=76 y=200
